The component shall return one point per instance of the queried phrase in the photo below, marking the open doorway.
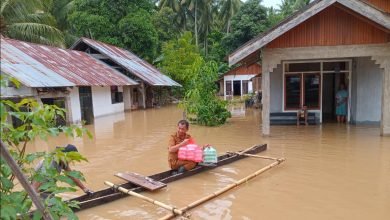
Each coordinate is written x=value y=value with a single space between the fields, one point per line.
x=237 y=88
x=59 y=102
x=86 y=106
x=331 y=85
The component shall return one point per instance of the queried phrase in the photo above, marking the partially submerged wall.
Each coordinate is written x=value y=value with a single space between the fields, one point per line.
x=366 y=97
x=101 y=99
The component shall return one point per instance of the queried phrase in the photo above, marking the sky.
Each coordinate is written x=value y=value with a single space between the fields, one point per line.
x=274 y=3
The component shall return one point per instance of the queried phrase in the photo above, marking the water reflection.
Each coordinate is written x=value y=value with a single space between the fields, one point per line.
x=237 y=110
x=332 y=171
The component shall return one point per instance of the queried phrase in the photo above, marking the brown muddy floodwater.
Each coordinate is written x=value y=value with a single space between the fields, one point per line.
x=332 y=171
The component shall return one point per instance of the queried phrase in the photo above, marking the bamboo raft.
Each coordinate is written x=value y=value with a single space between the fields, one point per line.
x=110 y=194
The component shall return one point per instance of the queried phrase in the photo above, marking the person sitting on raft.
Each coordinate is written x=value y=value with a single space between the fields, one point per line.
x=59 y=167
x=180 y=139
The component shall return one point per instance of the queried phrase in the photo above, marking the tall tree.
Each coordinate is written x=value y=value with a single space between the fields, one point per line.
x=61 y=10
x=287 y=7
x=29 y=21
x=164 y=22
x=180 y=57
x=195 y=7
x=173 y=4
x=206 y=22
x=228 y=9
x=246 y=24
x=124 y=23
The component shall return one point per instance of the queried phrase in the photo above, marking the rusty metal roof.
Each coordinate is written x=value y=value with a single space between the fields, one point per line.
x=130 y=62
x=44 y=66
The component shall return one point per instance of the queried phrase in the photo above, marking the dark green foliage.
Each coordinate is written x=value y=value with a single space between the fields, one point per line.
x=124 y=23
x=164 y=21
x=30 y=21
x=38 y=122
x=138 y=33
x=250 y=20
x=216 y=52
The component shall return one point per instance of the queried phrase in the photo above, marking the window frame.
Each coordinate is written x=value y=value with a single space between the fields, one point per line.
x=116 y=95
x=302 y=91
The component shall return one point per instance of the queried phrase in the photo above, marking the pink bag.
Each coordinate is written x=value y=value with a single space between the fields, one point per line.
x=191 y=152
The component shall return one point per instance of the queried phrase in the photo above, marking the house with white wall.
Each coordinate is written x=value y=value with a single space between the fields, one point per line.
x=151 y=80
x=238 y=81
x=309 y=55
x=84 y=86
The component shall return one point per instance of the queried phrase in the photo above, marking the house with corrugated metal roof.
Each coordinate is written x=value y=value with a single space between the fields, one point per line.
x=327 y=45
x=84 y=86
x=151 y=81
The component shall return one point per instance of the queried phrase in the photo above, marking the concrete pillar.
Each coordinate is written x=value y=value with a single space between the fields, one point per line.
x=232 y=89
x=266 y=102
x=127 y=97
x=224 y=89
x=241 y=87
x=385 y=119
x=68 y=107
x=143 y=92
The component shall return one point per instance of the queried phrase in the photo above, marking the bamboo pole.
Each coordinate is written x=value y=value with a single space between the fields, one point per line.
x=175 y=211
x=249 y=148
x=23 y=180
x=223 y=190
x=257 y=156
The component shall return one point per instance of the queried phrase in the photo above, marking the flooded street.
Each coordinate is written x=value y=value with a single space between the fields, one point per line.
x=331 y=172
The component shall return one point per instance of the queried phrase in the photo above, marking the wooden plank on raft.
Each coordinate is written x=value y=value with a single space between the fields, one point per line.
x=141 y=180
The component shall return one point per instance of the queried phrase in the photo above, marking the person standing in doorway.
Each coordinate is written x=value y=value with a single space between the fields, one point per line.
x=341 y=103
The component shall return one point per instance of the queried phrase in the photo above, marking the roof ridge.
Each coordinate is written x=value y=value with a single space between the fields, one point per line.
x=298 y=17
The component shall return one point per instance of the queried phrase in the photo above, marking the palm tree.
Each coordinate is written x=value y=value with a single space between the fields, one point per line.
x=181 y=12
x=290 y=6
x=228 y=10
x=206 y=21
x=300 y=4
x=29 y=20
x=60 y=10
x=194 y=6
x=173 y=4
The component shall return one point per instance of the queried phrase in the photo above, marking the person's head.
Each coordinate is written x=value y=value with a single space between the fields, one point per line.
x=69 y=148
x=182 y=127
x=304 y=107
x=342 y=86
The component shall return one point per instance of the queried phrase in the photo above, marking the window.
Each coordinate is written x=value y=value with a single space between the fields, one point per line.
x=293 y=91
x=312 y=91
x=302 y=89
x=116 y=95
x=245 y=87
x=228 y=87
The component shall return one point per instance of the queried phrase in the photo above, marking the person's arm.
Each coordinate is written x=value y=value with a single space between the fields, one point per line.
x=78 y=182
x=174 y=148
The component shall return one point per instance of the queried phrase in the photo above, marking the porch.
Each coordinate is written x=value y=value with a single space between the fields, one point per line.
x=310 y=76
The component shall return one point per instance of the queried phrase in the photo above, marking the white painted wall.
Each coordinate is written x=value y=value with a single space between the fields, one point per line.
x=127 y=102
x=238 y=78
x=101 y=99
x=367 y=85
x=73 y=106
x=276 y=87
